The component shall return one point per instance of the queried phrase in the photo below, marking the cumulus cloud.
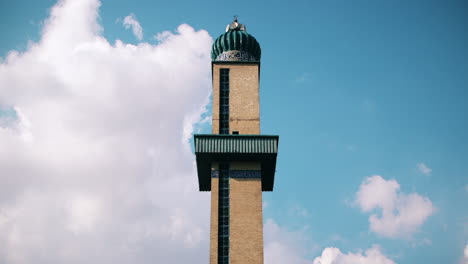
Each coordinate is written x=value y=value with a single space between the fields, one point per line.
x=284 y=246
x=95 y=165
x=465 y=255
x=373 y=255
x=400 y=214
x=423 y=168
x=293 y=247
x=130 y=21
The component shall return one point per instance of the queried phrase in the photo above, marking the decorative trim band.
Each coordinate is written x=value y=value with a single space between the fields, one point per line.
x=240 y=174
x=235 y=55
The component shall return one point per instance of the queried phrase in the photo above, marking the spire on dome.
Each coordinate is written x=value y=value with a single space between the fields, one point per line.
x=236 y=45
x=235 y=26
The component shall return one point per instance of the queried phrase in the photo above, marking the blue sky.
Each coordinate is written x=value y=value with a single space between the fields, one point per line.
x=354 y=89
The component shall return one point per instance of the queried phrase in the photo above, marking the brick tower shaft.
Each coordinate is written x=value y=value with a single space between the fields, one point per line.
x=245 y=195
x=236 y=163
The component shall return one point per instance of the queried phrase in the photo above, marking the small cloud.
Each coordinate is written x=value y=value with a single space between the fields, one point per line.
x=130 y=21
x=161 y=37
x=400 y=215
x=423 y=168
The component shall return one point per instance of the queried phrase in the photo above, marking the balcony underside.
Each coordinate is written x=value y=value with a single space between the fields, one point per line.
x=229 y=148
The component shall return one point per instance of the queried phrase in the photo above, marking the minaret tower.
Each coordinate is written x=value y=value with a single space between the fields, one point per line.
x=236 y=163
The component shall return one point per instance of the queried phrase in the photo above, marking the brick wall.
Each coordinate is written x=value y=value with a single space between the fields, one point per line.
x=246 y=217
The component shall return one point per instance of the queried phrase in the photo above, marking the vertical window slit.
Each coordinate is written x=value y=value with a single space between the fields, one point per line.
x=224 y=101
x=223 y=188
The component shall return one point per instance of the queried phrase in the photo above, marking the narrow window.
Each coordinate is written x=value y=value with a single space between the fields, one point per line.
x=223 y=214
x=224 y=101
x=223 y=180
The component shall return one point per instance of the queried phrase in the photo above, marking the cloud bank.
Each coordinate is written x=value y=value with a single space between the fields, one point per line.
x=401 y=214
x=95 y=166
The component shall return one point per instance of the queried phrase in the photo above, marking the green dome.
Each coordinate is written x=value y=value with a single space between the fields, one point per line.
x=236 y=45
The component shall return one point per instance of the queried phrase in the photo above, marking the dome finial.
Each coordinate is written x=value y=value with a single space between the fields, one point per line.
x=235 y=26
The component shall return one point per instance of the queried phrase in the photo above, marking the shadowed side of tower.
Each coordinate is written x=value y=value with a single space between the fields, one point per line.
x=236 y=163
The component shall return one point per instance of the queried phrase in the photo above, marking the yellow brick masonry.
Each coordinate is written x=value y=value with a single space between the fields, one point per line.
x=244 y=100
x=214 y=222
x=246 y=217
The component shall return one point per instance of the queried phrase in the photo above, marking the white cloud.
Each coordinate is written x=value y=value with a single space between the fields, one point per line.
x=465 y=255
x=96 y=167
x=284 y=246
x=373 y=255
x=293 y=247
x=162 y=36
x=130 y=21
x=401 y=214
x=423 y=168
